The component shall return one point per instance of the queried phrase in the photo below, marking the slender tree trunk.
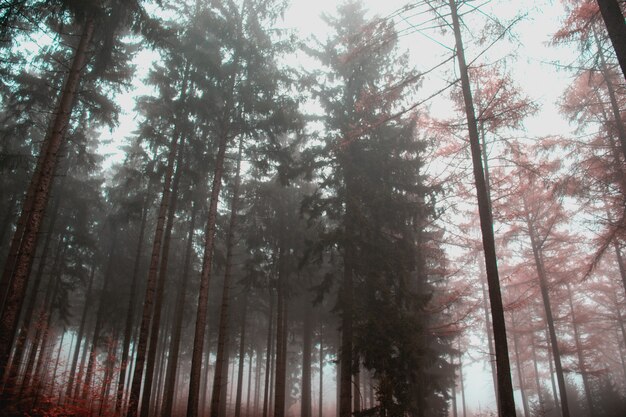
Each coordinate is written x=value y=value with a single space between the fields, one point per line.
x=79 y=335
x=100 y=317
x=151 y=287
x=503 y=367
x=56 y=367
x=257 y=384
x=615 y=26
x=160 y=287
x=537 y=383
x=489 y=328
x=543 y=285
x=281 y=336
x=269 y=353
x=44 y=312
x=29 y=313
x=242 y=356
x=346 y=359
x=108 y=373
x=177 y=326
x=249 y=391
x=462 y=385
x=455 y=412
x=321 y=399
x=579 y=353
x=555 y=392
x=205 y=277
x=520 y=373
x=307 y=341
x=221 y=362
x=43 y=180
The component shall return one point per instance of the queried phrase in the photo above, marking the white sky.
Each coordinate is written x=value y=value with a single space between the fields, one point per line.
x=531 y=68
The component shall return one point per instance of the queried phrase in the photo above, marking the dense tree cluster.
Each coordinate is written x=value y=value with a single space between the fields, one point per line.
x=279 y=240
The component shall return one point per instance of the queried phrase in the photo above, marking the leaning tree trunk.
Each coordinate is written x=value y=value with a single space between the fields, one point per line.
x=43 y=179
x=177 y=325
x=205 y=277
x=220 y=379
x=29 y=313
x=151 y=287
x=505 y=385
x=616 y=27
x=130 y=312
x=543 y=285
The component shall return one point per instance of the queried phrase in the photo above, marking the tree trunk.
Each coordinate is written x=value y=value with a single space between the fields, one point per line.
x=130 y=312
x=307 y=341
x=503 y=367
x=347 y=293
x=518 y=364
x=242 y=356
x=221 y=362
x=615 y=26
x=579 y=353
x=281 y=337
x=29 y=313
x=269 y=353
x=100 y=316
x=537 y=383
x=44 y=312
x=151 y=287
x=43 y=179
x=205 y=277
x=321 y=399
x=160 y=286
x=79 y=335
x=177 y=325
x=543 y=285
x=489 y=328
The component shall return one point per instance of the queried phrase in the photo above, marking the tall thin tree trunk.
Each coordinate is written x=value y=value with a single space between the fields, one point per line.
x=503 y=367
x=79 y=335
x=536 y=367
x=100 y=316
x=151 y=287
x=205 y=277
x=177 y=325
x=616 y=27
x=221 y=361
x=160 y=287
x=268 y=350
x=307 y=341
x=29 y=312
x=130 y=312
x=242 y=356
x=346 y=359
x=579 y=353
x=43 y=180
x=543 y=285
x=281 y=335
x=44 y=313
x=520 y=371
x=321 y=399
